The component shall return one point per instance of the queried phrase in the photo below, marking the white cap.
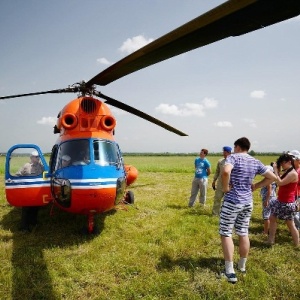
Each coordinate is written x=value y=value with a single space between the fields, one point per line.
x=295 y=154
x=34 y=153
x=66 y=157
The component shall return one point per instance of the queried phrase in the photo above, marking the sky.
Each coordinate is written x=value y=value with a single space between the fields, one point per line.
x=240 y=86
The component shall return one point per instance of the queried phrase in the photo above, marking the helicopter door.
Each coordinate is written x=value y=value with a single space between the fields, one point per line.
x=60 y=188
x=26 y=181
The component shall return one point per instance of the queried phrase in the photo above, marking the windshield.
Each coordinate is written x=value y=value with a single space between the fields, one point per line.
x=75 y=152
x=106 y=153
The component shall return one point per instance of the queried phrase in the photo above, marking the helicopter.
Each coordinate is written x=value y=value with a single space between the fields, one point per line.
x=97 y=179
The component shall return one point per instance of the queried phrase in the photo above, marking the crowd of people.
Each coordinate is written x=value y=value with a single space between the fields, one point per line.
x=234 y=183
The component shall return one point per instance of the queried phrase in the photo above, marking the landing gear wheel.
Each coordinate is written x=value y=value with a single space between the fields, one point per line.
x=129 y=197
x=91 y=227
x=86 y=231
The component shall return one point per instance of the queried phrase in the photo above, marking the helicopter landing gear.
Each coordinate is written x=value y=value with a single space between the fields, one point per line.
x=91 y=222
x=91 y=227
x=129 y=197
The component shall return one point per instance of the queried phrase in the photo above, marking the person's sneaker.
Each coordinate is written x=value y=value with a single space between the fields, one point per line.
x=269 y=244
x=242 y=271
x=230 y=277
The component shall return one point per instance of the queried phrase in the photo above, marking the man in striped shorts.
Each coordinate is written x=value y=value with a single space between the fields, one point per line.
x=238 y=173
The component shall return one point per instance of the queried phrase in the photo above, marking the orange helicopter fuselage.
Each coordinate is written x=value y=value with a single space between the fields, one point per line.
x=96 y=178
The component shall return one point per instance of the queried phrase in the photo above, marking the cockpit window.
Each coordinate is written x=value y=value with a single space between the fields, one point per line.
x=25 y=162
x=106 y=153
x=74 y=153
x=77 y=153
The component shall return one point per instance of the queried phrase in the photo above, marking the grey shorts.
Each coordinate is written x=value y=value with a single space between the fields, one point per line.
x=235 y=216
x=266 y=211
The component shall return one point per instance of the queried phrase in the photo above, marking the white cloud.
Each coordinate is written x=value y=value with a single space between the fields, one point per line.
x=168 y=109
x=47 y=121
x=103 y=61
x=135 y=43
x=250 y=122
x=184 y=110
x=210 y=102
x=223 y=124
x=187 y=109
x=257 y=94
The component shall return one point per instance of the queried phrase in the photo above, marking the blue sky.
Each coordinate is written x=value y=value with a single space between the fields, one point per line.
x=242 y=86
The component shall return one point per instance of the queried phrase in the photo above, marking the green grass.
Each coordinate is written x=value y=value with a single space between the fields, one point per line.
x=155 y=249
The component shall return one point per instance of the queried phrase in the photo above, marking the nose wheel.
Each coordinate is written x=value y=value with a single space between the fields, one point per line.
x=91 y=227
x=91 y=222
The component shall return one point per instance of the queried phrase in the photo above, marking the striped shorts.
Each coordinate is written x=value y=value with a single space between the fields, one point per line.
x=235 y=216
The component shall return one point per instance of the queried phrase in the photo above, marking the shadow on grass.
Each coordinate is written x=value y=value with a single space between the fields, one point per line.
x=141 y=185
x=190 y=264
x=30 y=271
x=176 y=206
x=202 y=211
x=283 y=235
x=194 y=211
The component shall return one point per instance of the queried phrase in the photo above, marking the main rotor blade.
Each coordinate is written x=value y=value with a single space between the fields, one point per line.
x=232 y=18
x=67 y=90
x=139 y=113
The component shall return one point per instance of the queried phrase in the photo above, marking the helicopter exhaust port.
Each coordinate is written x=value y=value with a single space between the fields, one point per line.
x=69 y=121
x=108 y=123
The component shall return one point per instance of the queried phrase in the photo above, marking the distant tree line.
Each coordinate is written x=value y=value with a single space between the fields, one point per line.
x=252 y=153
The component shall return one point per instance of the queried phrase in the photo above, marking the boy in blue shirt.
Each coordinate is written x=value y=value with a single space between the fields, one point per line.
x=200 y=181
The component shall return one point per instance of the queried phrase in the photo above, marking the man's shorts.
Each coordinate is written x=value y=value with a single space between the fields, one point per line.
x=235 y=216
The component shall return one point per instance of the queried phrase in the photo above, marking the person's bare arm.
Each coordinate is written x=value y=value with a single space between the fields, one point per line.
x=269 y=177
x=226 y=178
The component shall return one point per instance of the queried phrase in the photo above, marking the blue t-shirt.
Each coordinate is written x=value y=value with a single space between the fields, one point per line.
x=201 y=166
x=264 y=191
x=245 y=168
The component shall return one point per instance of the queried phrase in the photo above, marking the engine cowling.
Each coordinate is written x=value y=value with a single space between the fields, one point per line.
x=131 y=174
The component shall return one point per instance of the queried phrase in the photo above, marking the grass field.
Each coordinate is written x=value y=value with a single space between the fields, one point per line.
x=156 y=249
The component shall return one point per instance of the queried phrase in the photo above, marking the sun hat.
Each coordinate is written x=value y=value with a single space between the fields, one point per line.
x=295 y=154
x=34 y=153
